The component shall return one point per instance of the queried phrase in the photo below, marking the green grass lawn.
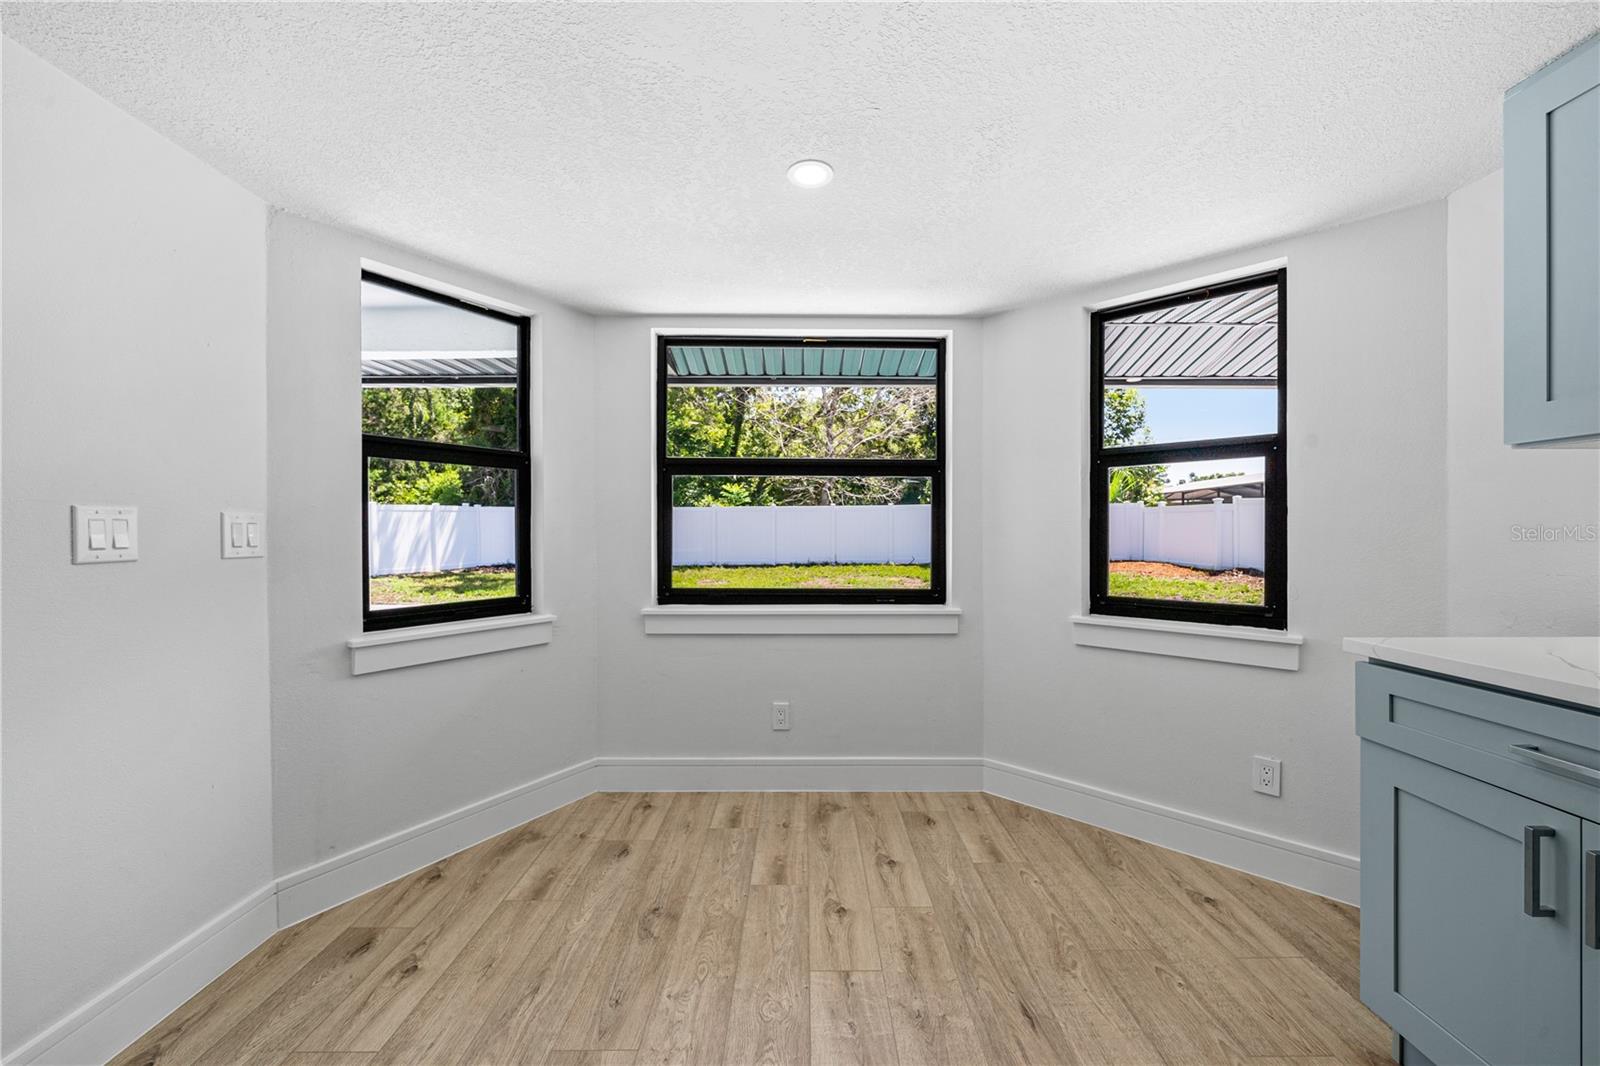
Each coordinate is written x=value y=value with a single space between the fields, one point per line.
x=486 y=582
x=1204 y=587
x=477 y=583
x=811 y=576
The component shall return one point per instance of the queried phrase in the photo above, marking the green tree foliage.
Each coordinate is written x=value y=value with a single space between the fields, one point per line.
x=1125 y=424
x=486 y=417
x=1211 y=477
x=794 y=422
x=1125 y=418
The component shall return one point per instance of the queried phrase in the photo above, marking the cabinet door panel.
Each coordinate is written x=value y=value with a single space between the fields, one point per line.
x=1591 y=955
x=1552 y=251
x=1574 y=135
x=1449 y=957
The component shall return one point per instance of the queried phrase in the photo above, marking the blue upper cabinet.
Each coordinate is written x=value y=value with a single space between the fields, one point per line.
x=1552 y=159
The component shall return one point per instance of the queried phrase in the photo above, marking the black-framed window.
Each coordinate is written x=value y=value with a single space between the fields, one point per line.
x=800 y=469
x=1187 y=436
x=446 y=478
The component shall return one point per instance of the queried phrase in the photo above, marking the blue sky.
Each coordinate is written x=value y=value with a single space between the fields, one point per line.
x=1189 y=413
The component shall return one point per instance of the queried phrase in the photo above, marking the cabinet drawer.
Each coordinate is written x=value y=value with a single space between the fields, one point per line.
x=1462 y=952
x=1536 y=749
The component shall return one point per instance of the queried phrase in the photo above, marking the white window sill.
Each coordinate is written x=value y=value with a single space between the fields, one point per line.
x=392 y=649
x=1270 y=648
x=807 y=619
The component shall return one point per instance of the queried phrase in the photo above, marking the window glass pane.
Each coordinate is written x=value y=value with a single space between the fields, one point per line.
x=484 y=416
x=801 y=532
x=802 y=421
x=433 y=371
x=1167 y=414
x=439 y=533
x=1189 y=531
x=1197 y=370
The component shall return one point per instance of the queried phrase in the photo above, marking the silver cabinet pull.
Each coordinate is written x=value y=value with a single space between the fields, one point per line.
x=1531 y=871
x=1532 y=753
x=1591 y=899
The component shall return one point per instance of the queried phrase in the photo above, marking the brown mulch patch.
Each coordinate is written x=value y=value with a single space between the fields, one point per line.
x=1252 y=578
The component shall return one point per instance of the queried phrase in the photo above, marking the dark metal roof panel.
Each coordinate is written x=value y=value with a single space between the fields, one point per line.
x=467 y=368
x=1226 y=338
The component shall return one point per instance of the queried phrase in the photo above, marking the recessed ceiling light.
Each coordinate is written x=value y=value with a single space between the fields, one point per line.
x=811 y=173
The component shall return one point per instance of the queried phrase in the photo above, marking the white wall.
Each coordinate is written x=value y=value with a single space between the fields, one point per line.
x=1514 y=567
x=136 y=779
x=358 y=758
x=1366 y=438
x=709 y=695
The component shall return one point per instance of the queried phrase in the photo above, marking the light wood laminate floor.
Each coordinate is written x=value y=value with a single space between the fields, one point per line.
x=745 y=928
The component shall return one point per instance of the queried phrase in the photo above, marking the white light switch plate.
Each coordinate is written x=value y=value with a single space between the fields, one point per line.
x=105 y=534
x=244 y=534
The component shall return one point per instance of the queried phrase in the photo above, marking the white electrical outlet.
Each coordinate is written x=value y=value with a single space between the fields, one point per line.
x=1266 y=775
x=780 y=714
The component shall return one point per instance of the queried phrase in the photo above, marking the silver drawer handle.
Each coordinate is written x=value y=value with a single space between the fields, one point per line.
x=1532 y=753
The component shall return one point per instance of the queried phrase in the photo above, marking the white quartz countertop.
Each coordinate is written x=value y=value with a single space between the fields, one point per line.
x=1557 y=668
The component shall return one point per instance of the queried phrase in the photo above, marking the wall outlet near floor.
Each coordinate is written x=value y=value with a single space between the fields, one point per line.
x=780 y=714
x=1266 y=775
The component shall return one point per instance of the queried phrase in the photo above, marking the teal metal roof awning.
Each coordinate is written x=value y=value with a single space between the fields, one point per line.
x=820 y=362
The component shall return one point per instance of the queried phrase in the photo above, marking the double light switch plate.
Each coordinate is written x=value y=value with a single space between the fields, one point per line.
x=244 y=534
x=105 y=534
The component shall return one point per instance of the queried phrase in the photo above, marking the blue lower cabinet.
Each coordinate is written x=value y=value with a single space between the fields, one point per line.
x=1406 y=1054
x=1478 y=927
x=1590 y=906
x=1450 y=954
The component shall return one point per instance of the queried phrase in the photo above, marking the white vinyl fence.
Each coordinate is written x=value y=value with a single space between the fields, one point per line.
x=419 y=538
x=766 y=536
x=1222 y=535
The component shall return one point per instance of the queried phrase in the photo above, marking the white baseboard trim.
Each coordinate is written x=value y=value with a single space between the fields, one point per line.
x=1327 y=873
x=326 y=884
x=784 y=773
x=112 y=1020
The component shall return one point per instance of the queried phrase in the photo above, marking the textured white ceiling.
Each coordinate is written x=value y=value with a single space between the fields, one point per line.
x=632 y=157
